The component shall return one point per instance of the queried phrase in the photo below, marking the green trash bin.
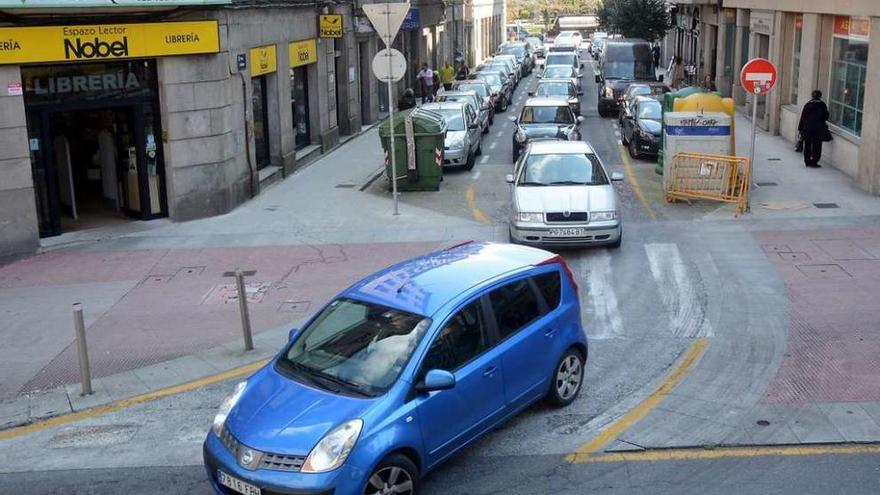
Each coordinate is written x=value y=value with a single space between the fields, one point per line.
x=429 y=134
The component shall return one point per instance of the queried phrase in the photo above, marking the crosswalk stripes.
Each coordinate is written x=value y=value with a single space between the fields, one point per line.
x=678 y=292
x=606 y=322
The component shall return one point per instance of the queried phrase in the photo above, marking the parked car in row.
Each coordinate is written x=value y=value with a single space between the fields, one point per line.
x=597 y=41
x=537 y=46
x=501 y=87
x=523 y=53
x=642 y=127
x=464 y=140
x=562 y=71
x=483 y=89
x=654 y=90
x=570 y=59
x=472 y=99
x=381 y=386
x=623 y=62
x=562 y=194
x=559 y=88
x=544 y=118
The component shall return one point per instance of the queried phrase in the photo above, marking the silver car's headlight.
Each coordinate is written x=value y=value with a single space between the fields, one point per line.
x=456 y=143
x=528 y=217
x=603 y=216
x=334 y=448
x=609 y=92
x=226 y=406
x=520 y=136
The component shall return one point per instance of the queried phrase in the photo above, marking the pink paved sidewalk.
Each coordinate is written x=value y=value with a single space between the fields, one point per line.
x=833 y=280
x=177 y=302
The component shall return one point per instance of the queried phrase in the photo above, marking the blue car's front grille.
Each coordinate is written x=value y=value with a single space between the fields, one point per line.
x=267 y=460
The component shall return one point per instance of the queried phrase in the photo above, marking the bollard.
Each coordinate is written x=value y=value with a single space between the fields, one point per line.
x=242 y=306
x=82 y=352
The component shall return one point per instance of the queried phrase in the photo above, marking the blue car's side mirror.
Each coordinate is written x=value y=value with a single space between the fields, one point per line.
x=292 y=334
x=436 y=380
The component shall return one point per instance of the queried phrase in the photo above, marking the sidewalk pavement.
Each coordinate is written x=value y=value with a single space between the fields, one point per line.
x=158 y=309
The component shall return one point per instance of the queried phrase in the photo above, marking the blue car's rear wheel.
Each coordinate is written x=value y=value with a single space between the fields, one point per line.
x=568 y=377
x=396 y=474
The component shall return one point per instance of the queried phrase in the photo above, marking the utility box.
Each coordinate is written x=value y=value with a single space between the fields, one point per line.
x=418 y=149
x=693 y=132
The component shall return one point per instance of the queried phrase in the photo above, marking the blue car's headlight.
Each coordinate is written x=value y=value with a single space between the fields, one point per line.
x=226 y=406
x=334 y=448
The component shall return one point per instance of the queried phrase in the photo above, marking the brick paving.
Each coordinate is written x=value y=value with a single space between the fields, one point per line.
x=833 y=282
x=180 y=302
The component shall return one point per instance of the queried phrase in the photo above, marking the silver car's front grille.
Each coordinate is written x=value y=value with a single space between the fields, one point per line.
x=264 y=460
x=571 y=216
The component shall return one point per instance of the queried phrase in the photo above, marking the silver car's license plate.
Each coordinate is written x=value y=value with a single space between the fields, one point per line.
x=237 y=484
x=567 y=232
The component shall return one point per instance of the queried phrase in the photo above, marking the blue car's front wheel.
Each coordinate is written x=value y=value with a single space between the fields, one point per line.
x=568 y=376
x=396 y=474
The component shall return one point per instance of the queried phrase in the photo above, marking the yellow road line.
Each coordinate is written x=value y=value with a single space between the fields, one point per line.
x=637 y=413
x=478 y=214
x=731 y=452
x=132 y=401
x=634 y=181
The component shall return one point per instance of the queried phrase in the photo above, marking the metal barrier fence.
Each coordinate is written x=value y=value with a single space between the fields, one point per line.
x=713 y=177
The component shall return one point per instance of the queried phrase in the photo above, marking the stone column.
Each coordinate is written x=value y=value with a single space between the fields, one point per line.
x=809 y=69
x=19 y=227
x=869 y=149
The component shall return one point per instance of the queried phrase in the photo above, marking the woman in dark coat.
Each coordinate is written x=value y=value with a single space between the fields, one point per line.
x=813 y=128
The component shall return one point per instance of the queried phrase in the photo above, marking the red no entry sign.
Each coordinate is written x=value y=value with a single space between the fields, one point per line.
x=758 y=76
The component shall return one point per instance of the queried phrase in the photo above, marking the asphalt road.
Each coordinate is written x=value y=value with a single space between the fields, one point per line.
x=637 y=327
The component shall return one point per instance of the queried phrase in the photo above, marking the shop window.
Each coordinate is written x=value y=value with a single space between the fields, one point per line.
x=261 y=121
x=796 y=60
x=729 y=48
x=299 y=102
x=848 y=71
x=744 y=55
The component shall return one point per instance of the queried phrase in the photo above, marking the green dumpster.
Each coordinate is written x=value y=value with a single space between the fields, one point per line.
x=425 y=171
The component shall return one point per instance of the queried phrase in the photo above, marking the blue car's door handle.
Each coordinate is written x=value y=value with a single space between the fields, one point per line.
x=488 y=372
x=550 y=333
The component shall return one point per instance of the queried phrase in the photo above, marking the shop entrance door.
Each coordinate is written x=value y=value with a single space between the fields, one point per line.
x=94 y=165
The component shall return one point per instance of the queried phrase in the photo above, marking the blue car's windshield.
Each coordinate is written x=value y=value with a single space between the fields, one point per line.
x=356 y=346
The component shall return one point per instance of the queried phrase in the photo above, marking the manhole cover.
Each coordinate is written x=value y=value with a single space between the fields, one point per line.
x=825 y=205
x=345 y=186
x=774 y=159
x=762 y=422
x=766 y=184
x=189 y=271
x=155 y=279
x=228 y=294
x=794 y=256
x=294 y=306
x=824 y=271
x=93 y=436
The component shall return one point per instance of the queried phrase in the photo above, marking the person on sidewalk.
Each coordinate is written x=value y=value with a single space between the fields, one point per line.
x=426 y=79
x=655 y=51
x=678 y=77
x=436 y=86
x=464 y=72
x=813 y=127
x=447 y=75
x=407 y=101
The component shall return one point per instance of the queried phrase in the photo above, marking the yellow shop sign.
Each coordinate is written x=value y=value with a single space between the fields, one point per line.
x=330 y=25
x=20 y=45
x=264 y=60
x=303 y=53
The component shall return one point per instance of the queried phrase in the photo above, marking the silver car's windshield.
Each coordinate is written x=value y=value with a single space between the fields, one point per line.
x=568 y=59
x=479 y=88
x=555 y=89
x=562 y=170
x=492 y=79
x=468 y=99
x=454 y=119
x=559 y=71
x=547 y=115
x=356 y=346
x=517 y=51
x=638 y=90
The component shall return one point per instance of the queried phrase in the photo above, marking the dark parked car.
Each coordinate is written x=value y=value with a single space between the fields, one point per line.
x=654 y=90
x=544 y=118
x=560 y=88
x=523 y=54
x=501 y=88
x=483 y=89
x=623 y=61
x=537 y=46
x=642 y=127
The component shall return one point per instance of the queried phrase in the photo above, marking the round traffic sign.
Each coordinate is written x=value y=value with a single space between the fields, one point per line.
x=758 y=76
x=389 y=65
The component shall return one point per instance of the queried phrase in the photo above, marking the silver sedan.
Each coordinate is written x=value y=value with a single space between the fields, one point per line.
x=563 y=195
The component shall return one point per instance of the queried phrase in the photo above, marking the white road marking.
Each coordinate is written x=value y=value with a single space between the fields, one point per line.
x=678 y=292
x=484 y=160
x=617 y=133
x=499 y=134
x=606 y=322
x=476 y=174
x=492 y=146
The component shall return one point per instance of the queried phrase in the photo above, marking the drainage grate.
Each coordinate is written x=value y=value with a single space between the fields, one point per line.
x=825 y=205
x=345 y=186
x=774 y=159
x=766 y=184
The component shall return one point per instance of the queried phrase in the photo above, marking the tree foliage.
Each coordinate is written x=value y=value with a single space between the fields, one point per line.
x=646 y=19
x=545 y=11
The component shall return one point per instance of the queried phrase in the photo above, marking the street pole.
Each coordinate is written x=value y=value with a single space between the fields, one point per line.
x=752 y=149
x=82 y=351
x=243 y=309
x=391 y=119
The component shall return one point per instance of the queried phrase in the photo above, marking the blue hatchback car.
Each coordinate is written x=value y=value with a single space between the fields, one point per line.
x=400 y=371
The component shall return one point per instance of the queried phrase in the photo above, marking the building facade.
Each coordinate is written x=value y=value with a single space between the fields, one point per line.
x=111 y=113
x=815 y=45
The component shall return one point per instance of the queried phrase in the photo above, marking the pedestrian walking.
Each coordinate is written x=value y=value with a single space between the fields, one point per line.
x=678 y=76
x=813 y=127
x=464 y=71
x=655 y=50
x=435 y=86
x=447 y=75
x=709 y=83
x=426 y=81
